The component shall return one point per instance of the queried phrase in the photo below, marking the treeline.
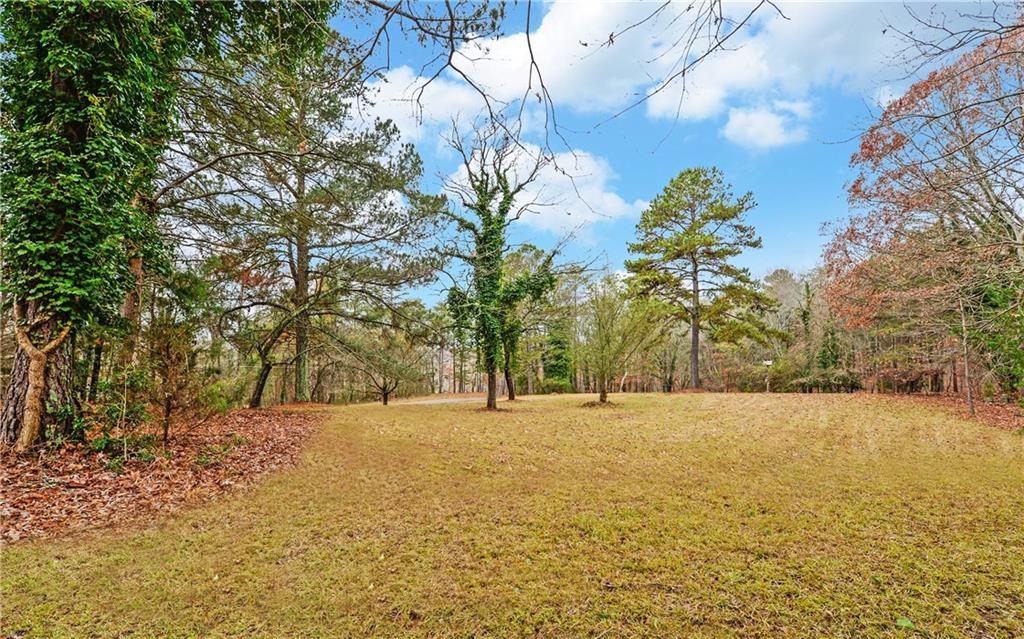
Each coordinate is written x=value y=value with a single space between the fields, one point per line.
x=929 y=274
x=199 y=214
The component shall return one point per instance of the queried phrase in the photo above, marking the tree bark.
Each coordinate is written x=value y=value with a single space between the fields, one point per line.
x=462 y=370
x=695 y=330
x=168 y=409
x=492 y=390
x=967 y=364
x=384 y=397
x=302 y=331
x=35 y=378
x=440 y=368
x=256 y=400
x=301 y=270
x=131 y=310
x=694 y=352
x=602 y=391
x=510 y=384
x=94 y=376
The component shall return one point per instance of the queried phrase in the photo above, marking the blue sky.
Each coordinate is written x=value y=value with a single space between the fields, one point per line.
x=778 y=114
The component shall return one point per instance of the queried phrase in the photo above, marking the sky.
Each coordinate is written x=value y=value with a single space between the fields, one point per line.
x=779 y=113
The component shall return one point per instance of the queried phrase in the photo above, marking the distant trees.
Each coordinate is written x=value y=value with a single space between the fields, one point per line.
x=685 y=242
x=806 y=349
x=388 y=357
x=937 y=244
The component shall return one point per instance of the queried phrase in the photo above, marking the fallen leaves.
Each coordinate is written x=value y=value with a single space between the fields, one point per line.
x=73 y=489
x=1008 y=417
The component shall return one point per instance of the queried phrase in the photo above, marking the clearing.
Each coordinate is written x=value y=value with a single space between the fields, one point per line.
x=691 y=515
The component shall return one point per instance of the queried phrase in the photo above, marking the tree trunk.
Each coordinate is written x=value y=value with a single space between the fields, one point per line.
x=384 y=397
x=694 y=352
x=510 y=384
x=302 y=357
x=94 y=376
x=695 y=329
x=492 y=390
x=440 y=368
x=256 y=400
x=967 y=364
x=602 y=393
x=168 y=408
x=462 y=371
x=131 y=310
x=300 y=272
x=40 y=380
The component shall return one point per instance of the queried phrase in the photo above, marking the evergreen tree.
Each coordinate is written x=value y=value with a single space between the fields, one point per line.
x=686 y=240
x=308 y=194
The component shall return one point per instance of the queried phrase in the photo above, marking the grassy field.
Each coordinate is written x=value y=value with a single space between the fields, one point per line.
x=690 y=515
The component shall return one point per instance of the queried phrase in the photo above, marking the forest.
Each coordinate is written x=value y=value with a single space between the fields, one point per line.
x=207 y=219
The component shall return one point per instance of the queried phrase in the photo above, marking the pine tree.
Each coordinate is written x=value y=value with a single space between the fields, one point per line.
x=686 y=240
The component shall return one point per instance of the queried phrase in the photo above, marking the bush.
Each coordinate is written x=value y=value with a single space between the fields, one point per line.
x=223 y=395
x=836 y=380
x=556 y=385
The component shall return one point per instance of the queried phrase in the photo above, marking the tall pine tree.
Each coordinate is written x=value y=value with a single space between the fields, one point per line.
x=686 y=241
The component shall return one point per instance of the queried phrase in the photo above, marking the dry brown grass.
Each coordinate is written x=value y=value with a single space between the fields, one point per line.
x=696 y=515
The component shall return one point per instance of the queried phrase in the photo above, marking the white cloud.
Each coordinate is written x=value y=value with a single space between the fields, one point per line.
x=761 y=128
x=572 y=193
x=885 y=94
x=405 y=98
x=778 y=60
x=797 y=108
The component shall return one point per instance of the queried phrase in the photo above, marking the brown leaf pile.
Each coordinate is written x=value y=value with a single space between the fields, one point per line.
x=1004 y=416
x=73 y=489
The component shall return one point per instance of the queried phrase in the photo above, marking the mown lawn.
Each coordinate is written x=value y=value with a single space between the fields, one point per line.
x=690 y=515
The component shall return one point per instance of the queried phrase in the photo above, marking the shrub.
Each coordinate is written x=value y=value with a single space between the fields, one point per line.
x=556 y=385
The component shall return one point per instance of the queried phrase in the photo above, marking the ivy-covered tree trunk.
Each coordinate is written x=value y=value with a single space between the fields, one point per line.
x=487 y=282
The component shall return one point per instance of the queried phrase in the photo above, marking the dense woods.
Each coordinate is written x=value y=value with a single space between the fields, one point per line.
x=198 y=215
